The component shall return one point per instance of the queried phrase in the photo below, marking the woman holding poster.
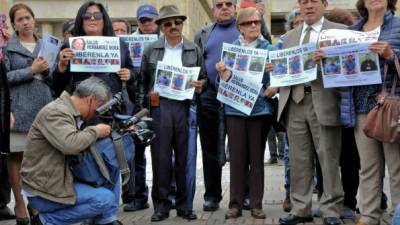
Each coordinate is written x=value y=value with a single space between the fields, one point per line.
x=92 y=20
x=247 y=134
x=375 y=154
x=28 y=78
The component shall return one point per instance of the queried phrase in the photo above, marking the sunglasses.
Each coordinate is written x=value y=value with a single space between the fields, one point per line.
x=250 y=23
x=169 y=23
x=96 y=16
x=221 y=4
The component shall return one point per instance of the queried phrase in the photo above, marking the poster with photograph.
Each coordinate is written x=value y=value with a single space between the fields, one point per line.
x=95 y=54
x=293 y=66
x=337 y=37
x=350 y=65
x=241 y=83
x=136 y=44
x=175 y=82
x=3 y=25
x=50 y=48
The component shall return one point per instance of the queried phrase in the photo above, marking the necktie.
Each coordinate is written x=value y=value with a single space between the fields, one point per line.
x=298 y=90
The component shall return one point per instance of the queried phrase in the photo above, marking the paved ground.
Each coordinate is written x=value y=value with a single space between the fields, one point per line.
x=273 y=198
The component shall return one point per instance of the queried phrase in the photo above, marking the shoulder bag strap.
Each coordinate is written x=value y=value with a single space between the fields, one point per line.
x=119 y=150
x=100 y=162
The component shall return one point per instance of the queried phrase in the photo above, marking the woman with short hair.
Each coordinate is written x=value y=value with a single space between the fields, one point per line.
x=247 y=134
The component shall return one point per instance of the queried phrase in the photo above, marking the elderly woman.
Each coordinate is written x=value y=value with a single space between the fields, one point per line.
x=247 y=134
x=375 y=154
x=28 y=78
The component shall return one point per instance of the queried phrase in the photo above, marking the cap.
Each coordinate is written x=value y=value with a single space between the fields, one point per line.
x=146 y=11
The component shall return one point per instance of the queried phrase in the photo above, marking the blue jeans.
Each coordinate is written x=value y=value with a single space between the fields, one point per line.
x=396 y=217
x=287 y=165
x=191 y=158
x=90 y=202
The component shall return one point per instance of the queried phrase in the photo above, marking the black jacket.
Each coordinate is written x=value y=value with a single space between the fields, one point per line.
x=5 y=111
x=191 y=57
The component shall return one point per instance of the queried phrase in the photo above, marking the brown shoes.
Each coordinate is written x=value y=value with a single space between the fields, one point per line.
x=258 y=214
x=233 y=213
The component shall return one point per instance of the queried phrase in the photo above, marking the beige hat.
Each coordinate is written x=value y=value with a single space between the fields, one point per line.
x=169 y=11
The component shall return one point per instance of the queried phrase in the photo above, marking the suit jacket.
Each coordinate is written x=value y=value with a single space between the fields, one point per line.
x=326 y=101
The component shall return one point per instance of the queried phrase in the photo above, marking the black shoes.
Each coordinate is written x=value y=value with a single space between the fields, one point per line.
x=293 y=220
x=186 y=214
x=331 y=221
x=158 y=216
x=210 y=206
x=134 y=206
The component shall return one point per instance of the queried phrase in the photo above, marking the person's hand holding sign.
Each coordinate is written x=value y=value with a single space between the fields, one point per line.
x=197 y=86
x=223 y=72
x=124 y=74
x=269 y=67
x=39 y=65
x=382 y=48
x=318 y=55
x=65 y=56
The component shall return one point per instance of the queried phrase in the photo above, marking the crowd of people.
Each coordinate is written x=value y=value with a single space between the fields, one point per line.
x=48 y=114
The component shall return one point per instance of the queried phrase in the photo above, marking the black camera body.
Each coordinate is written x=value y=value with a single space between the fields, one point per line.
x=139 y=125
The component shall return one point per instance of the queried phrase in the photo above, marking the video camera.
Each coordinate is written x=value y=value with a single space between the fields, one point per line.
x=140 y=125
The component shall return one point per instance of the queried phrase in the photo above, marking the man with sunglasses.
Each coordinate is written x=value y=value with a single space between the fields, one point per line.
x=170 y=116
x=135 y=193
x=210 y=40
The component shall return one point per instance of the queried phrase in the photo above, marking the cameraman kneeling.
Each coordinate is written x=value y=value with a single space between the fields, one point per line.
x=46 y=178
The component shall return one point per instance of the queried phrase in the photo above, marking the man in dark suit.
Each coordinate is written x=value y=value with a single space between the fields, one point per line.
x=311 y=115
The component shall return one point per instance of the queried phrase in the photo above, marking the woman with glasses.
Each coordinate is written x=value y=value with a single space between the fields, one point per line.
x=28 y=79
x=247 y=134
x=93 y=20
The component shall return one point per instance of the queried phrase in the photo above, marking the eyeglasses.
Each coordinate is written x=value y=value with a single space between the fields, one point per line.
x=221 y=4
x=96 y=16
x=169 y=23
x=250 y=23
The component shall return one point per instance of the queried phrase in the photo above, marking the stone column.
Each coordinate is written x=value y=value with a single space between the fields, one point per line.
x=268 y=13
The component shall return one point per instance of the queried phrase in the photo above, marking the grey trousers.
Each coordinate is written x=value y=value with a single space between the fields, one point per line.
x=306 y=136
x=373 y=155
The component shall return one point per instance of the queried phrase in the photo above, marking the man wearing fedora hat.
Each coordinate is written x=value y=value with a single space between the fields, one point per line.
x=170 y=116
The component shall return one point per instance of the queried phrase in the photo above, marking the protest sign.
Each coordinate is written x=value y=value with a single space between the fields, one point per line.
x=175 y=82
x=241 y=83
x=350 y=65
x=3 y=25
x=95 y=54
x=336 y=37
x=293 y=66
x=136 y=44
x=50 y=48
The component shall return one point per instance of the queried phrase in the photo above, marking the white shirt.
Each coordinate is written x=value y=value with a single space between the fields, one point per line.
x=315 y=30
x=173 y=54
